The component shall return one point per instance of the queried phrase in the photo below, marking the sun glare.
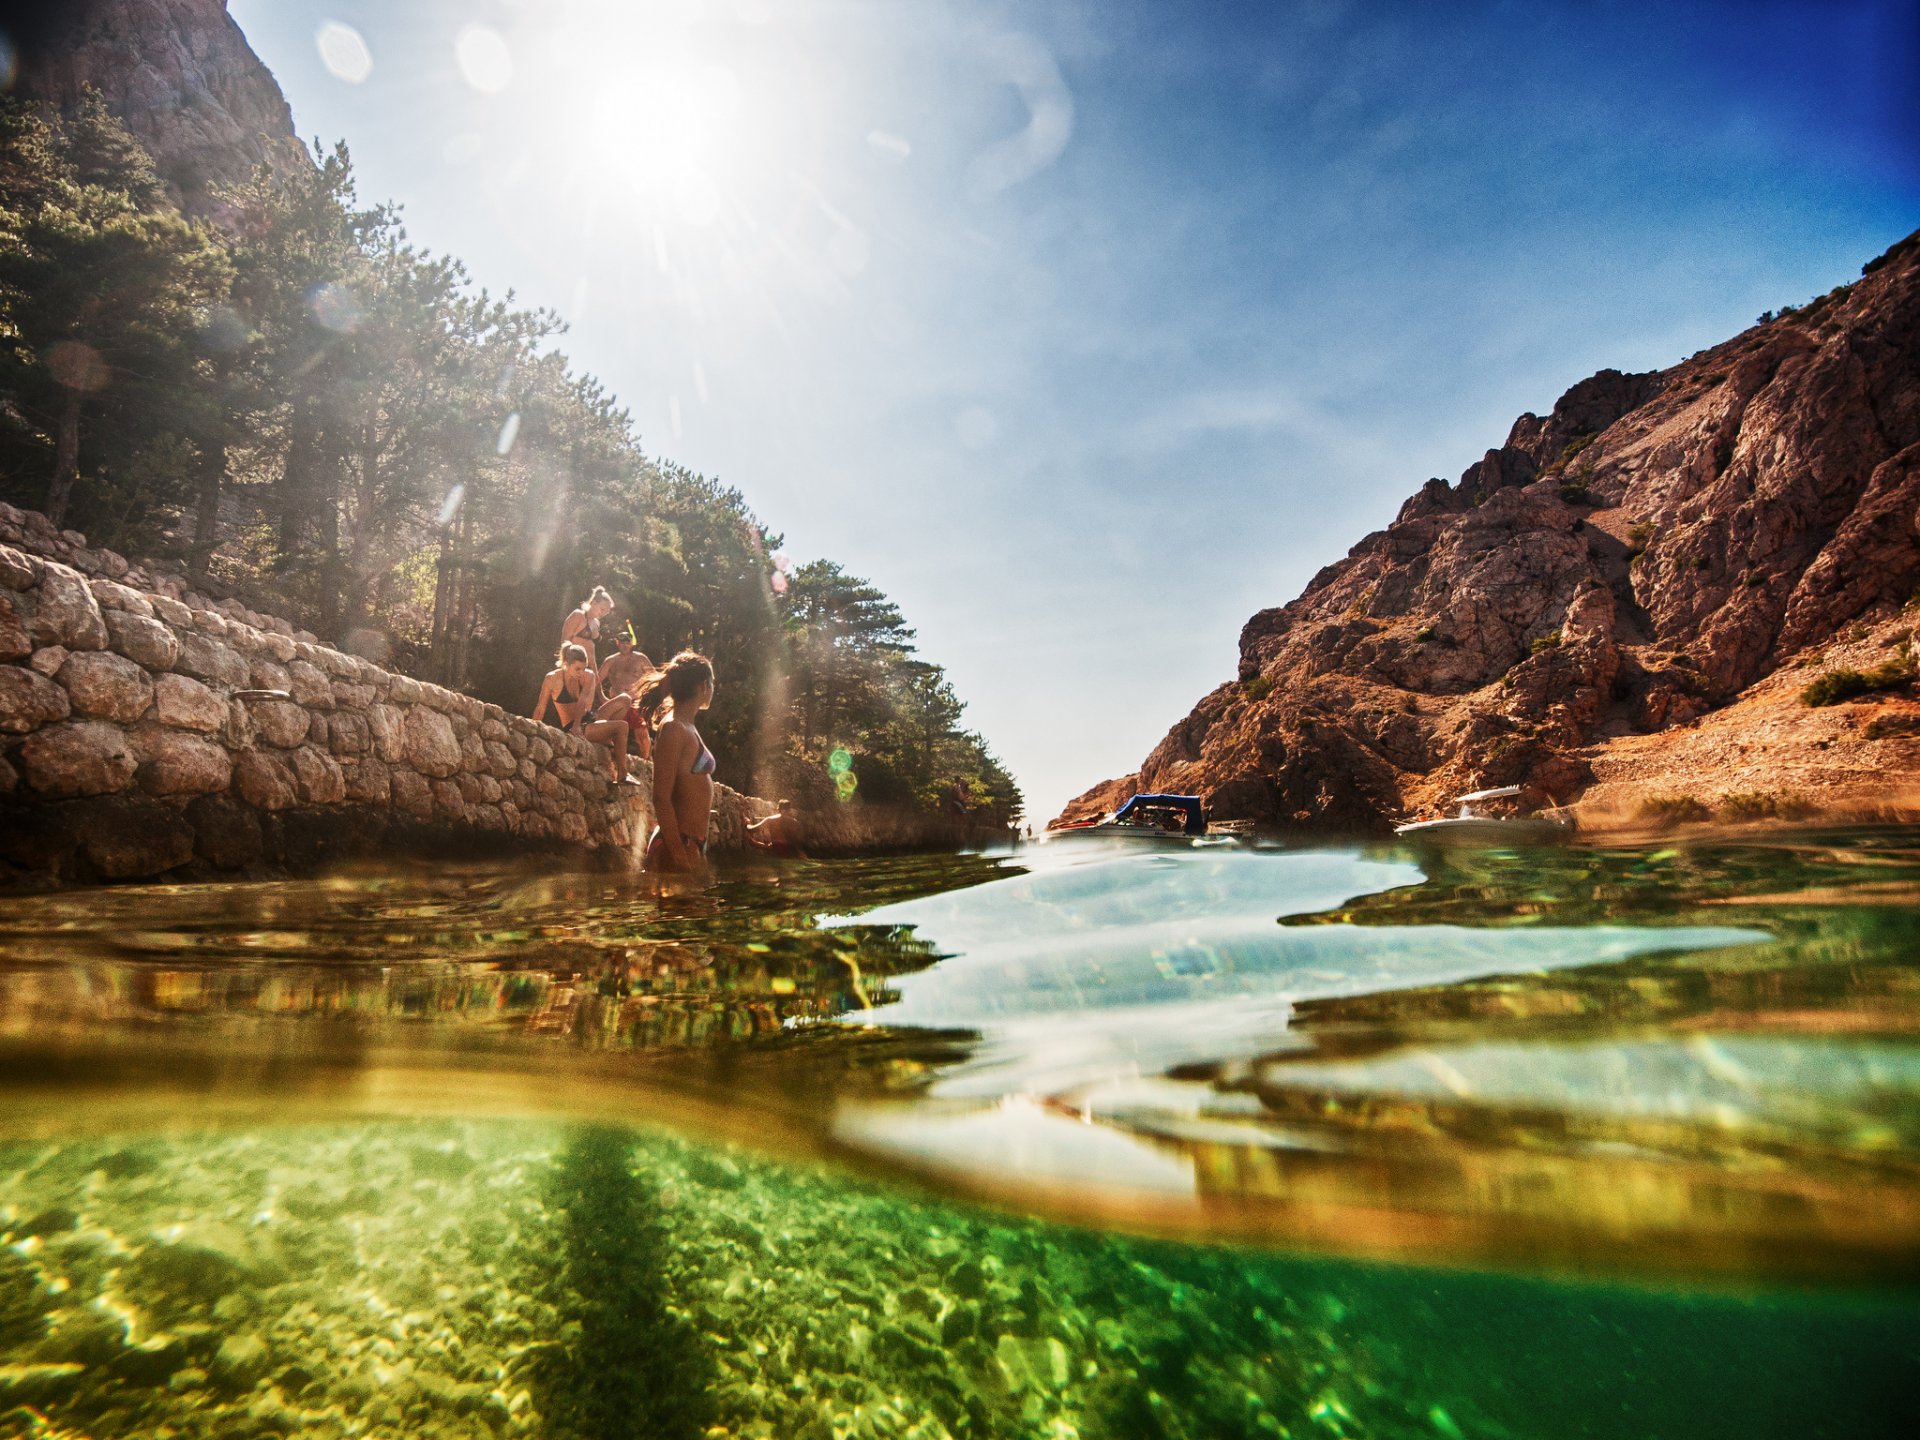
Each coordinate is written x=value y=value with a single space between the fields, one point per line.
x=647 y=98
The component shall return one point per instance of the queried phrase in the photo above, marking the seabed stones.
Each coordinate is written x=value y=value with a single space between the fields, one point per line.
x=415 y=1278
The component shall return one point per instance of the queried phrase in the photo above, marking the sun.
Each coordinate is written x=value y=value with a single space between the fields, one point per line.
x=652 y=100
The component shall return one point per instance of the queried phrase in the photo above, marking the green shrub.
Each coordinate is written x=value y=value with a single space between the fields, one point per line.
x=1257 y=688
x=1424 y=634
x=1673 y=810
x=1838 y=686
x=1765 y=805
x=1548 y=641
x=1574 y=492
x=1888 y=727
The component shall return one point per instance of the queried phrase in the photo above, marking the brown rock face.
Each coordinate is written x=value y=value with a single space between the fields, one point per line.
x=179 y=75
x=107 y=685
x=78 y=757
x=173 y=762
x=1652 y=548
x=430 y=743
x=187 y=704
x=28 y=701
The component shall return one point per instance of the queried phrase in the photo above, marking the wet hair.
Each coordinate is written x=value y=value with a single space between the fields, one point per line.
x=680 y=680
x=570 y=651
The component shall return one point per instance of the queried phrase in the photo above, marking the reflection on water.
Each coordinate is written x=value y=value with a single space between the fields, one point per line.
x=1694 y=1063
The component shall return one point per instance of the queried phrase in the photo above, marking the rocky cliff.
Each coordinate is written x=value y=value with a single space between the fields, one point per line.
x=1645 y=555
x=179 y=75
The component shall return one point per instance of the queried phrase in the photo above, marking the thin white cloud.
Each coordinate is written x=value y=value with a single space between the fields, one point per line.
x=1026 y=65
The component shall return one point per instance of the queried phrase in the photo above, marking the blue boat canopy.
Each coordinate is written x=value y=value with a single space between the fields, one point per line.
x=1187 y=805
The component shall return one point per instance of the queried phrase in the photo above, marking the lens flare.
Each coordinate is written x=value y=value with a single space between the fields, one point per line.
x=343 y=50
x=77 y=366
x=485 y=61
x=334 y=308
x=840 y=762
x=509 y=432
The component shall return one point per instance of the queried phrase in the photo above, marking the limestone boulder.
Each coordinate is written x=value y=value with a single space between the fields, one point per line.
x=16 y=638
x=67 y=613
x=175 y=762
x=206 y=658
x=18 y=570
x=110 y=686
x=348 y=733
x=430 y=744
x=280 y=723
x=268 y=674
x=186 y=704
x=412 y=794
x=166 y=608
x=143 y=640
x=112 y=596
x=317 y=777
x=369 y=781
x=310 y=685
x=388 y=732
x=29 y=700
x=263 y=778
x=78 y=757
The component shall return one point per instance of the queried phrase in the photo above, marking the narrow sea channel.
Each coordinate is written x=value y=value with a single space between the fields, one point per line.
x=1575 y=1142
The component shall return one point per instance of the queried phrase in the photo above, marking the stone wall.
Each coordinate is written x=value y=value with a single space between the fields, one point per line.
x=143 y=735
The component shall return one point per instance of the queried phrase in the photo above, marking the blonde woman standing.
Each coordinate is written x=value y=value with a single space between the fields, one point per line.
x=582 y=625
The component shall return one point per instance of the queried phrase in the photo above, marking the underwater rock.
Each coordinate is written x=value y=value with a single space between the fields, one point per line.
x=240 y=1361
x=24 y=1300
x=38 y=1384
x=154 y=1363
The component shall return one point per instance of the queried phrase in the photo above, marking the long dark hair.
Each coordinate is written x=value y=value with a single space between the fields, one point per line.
x=681 y=680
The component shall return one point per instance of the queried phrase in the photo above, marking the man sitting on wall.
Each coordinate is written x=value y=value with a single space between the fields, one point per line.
x=619 y=673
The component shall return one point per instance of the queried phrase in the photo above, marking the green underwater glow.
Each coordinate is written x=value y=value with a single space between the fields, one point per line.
x=1094 y=1146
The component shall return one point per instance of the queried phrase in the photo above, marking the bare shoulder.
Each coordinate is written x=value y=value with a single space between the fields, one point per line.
x=672 y=739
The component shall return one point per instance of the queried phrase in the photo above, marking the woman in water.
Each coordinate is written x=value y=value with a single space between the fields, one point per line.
x=582 y=626
x=682 y=764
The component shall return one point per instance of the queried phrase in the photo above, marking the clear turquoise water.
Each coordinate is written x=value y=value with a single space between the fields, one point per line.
x=1573 y=1142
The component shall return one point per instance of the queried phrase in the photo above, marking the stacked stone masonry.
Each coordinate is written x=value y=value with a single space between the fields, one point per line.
x=136 y=739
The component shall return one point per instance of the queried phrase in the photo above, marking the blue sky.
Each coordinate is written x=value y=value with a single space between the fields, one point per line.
x=1087 y=329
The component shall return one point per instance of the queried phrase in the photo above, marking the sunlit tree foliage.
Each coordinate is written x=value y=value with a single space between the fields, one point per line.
x=299 y=406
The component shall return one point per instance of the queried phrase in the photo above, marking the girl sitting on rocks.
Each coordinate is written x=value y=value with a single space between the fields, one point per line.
x=570 y=688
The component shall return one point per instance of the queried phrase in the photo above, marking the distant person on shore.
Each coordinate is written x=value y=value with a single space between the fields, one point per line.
x=619 y=676
x=582 y=625
x=682 y=765
x=779 y=833
x=570 y=688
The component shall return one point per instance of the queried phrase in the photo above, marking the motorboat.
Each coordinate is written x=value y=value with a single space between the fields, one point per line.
x=1470 y=827
x=1159 y=819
